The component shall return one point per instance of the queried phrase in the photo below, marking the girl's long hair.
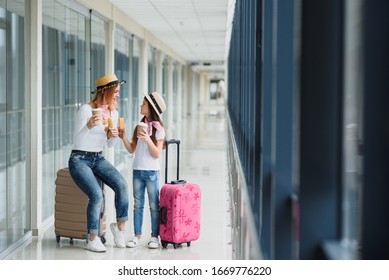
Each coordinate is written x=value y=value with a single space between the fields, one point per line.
x=154 y=116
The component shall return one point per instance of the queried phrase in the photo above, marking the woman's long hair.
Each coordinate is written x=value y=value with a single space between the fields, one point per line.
x=104 y=97
x=154 y=116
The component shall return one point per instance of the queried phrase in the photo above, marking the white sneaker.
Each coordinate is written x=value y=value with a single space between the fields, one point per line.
x=119 y=236
x=154 y=243
x=95 y=245
x=134 y=242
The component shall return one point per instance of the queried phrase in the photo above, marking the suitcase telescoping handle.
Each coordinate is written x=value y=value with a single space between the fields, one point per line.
x=177 y=142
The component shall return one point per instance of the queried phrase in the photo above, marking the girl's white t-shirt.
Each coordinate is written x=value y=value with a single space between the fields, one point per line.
x=94 y=139
x=143 y=159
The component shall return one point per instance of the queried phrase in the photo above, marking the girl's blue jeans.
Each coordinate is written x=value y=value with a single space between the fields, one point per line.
x=146 y=180
x=83 y=168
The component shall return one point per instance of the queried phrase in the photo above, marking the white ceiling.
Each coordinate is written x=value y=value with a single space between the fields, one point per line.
x=195 y=29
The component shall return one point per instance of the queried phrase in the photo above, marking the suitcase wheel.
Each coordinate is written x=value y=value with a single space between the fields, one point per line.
x=103 y=239
x=175 y=245
x=58 y=237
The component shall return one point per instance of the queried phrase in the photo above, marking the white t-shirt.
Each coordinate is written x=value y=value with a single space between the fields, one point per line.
x=143 y=159
x=94 y=139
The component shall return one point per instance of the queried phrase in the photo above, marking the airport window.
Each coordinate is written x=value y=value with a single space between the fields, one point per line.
x=352 y=129
x=165 y=86
x=65 y=85
x=183 y=91
x=152 y=69
x=136 y=57
x=175 y=95
x=99 y=39
x=14 y=188
x=123 y=70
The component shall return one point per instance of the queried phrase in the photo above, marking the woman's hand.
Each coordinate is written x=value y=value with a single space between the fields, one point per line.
x=112 y=132
x=95 y=120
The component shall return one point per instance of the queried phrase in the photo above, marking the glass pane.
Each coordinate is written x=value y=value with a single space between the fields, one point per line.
x=135 y=82
x=3 y=130
x=165 y=90
x=123 y=55
x=14 y=190
x=183 y=91
x=53 y=39
x=99 y=29
x=65 y=86
x=152 y=69
x=352 y=175
x=174 y=130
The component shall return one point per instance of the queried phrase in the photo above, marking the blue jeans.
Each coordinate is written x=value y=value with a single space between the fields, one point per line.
x=83 y=168
x=146 y=180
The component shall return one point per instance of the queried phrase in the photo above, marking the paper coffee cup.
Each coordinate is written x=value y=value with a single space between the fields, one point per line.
x=98 y=111
x=142 y=127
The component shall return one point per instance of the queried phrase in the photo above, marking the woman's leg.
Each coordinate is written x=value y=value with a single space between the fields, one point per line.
x=113 y=179
x=81 y=172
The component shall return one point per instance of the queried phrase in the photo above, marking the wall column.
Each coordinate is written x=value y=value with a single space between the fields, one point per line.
x=35 y=113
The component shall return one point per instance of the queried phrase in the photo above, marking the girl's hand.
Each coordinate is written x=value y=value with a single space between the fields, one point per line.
x=122 y=133
x=143 y=135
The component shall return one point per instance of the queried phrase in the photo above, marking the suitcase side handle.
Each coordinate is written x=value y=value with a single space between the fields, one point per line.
x=163 y=215
x=177 y=142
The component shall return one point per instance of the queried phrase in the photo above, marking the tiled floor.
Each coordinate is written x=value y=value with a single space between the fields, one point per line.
x=204 y=161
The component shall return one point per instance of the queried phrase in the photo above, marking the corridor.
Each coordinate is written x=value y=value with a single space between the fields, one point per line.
x=204 y=161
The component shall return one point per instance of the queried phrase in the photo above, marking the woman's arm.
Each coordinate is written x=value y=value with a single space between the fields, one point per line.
x=113 y=132
x=83 y=123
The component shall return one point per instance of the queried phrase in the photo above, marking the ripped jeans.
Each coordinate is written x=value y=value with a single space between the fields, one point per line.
x=146 y=180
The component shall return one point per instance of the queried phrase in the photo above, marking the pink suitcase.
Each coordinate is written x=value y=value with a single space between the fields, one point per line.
x=180 y=203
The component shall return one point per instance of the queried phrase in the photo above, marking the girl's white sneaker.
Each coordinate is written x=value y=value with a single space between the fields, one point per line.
x=154 y=243
x=134 y=242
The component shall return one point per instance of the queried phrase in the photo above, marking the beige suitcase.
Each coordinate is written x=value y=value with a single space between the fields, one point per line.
x=70 y=209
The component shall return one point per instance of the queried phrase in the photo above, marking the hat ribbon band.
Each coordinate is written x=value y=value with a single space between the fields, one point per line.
x=155 y=103
x=109 y=84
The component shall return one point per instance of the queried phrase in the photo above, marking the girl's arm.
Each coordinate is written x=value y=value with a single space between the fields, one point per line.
x=155 y=149
x=130 y=145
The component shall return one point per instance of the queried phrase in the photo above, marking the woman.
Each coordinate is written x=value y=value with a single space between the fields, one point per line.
x=87 y=162
x=147 y=145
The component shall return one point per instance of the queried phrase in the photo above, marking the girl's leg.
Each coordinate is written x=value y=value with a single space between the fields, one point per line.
x=152 y=185
x=139 y=201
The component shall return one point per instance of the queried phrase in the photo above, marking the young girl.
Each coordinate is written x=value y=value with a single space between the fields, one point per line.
x=147 y=145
